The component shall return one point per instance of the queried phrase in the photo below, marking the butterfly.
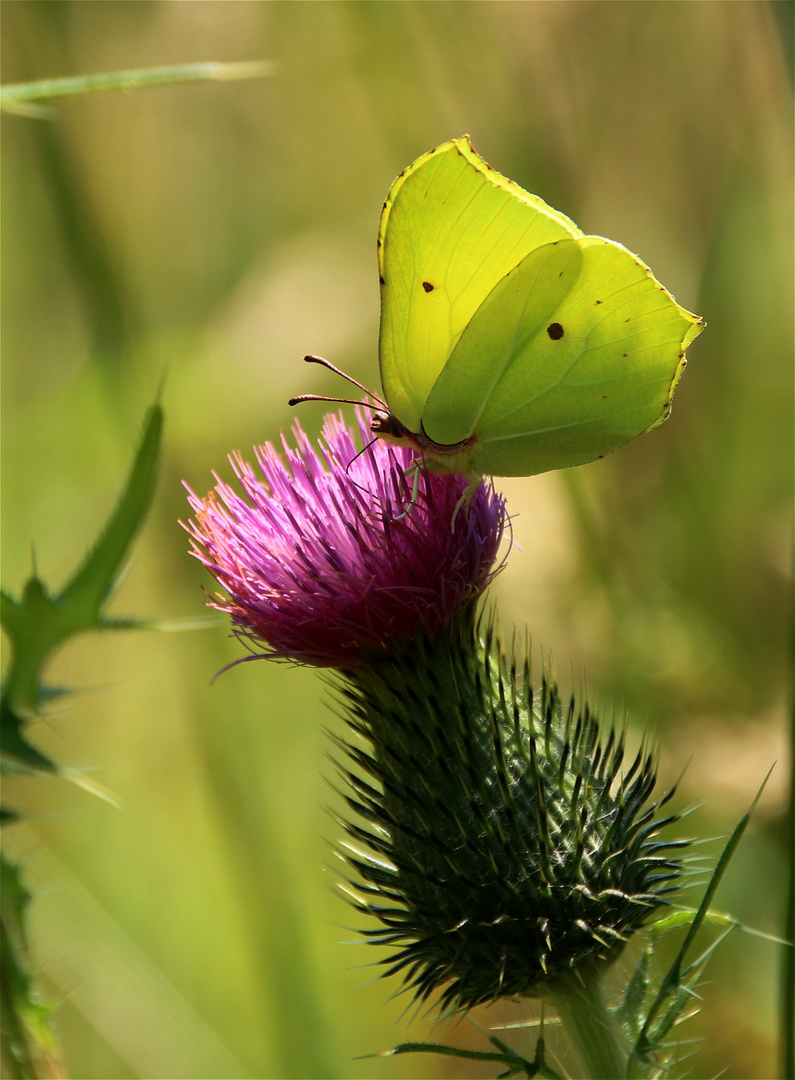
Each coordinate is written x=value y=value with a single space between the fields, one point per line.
x=511 y=343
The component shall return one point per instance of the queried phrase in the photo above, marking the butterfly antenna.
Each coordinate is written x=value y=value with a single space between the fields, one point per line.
x=343 y=401
x=337 y=400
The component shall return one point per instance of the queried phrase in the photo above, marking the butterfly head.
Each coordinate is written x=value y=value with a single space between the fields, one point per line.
x=386 y=426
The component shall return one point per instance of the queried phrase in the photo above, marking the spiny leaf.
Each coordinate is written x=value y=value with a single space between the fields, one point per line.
x=515 y=1064
x=15 y=745
x=675 y=991
x=28 y=1048
x=40 y=622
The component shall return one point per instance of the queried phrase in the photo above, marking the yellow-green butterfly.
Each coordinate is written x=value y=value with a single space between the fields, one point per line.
x=510 y=343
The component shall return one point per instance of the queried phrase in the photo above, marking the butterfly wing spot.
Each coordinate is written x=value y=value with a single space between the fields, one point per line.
x=555 y=331
x=427 y=286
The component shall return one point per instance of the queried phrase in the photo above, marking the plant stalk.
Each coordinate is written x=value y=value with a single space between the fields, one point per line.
x=595 y=1034
x=16 y=94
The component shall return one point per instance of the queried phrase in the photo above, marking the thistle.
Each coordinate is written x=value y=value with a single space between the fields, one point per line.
x=497 y=837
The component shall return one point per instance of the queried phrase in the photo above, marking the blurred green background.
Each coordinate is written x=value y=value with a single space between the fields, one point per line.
x=202 y=239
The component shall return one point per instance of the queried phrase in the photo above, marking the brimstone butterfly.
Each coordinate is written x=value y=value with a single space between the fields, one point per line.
x=511 y=343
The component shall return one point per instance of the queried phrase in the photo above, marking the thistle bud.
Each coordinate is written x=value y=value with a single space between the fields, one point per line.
x=500 y=842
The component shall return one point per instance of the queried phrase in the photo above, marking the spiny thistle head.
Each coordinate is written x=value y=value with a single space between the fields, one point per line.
x=324 y=557
x=500 y=845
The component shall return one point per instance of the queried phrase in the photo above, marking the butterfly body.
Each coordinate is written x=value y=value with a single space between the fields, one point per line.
x=439 y=457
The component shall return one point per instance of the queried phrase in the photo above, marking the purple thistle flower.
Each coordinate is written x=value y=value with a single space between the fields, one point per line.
x=318 y=562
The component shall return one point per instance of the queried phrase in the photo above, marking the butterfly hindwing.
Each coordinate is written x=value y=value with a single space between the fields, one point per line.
x=576 y=351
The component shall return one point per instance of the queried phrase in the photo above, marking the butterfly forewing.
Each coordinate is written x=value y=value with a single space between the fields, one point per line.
x=451 y=229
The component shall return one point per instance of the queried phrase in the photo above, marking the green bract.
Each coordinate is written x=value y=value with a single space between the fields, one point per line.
x=511 y=343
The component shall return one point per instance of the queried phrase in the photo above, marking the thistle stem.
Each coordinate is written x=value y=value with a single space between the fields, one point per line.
x=595 y=1034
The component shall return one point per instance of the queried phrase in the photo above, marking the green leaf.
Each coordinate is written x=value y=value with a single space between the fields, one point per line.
x=36 y=625
x=15 y=745
x=17 y=97
x=515 y=1064
x=28 y=1047
x=676 y=989
x=40 y=622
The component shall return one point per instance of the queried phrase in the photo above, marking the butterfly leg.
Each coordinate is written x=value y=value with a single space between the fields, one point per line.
x=466 y=499
x=413 y=470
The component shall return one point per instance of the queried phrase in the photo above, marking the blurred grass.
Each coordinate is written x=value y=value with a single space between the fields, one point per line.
x=213 y=234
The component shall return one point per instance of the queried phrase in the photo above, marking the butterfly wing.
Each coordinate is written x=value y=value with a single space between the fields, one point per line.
x=451 y=228
x=574 y=352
